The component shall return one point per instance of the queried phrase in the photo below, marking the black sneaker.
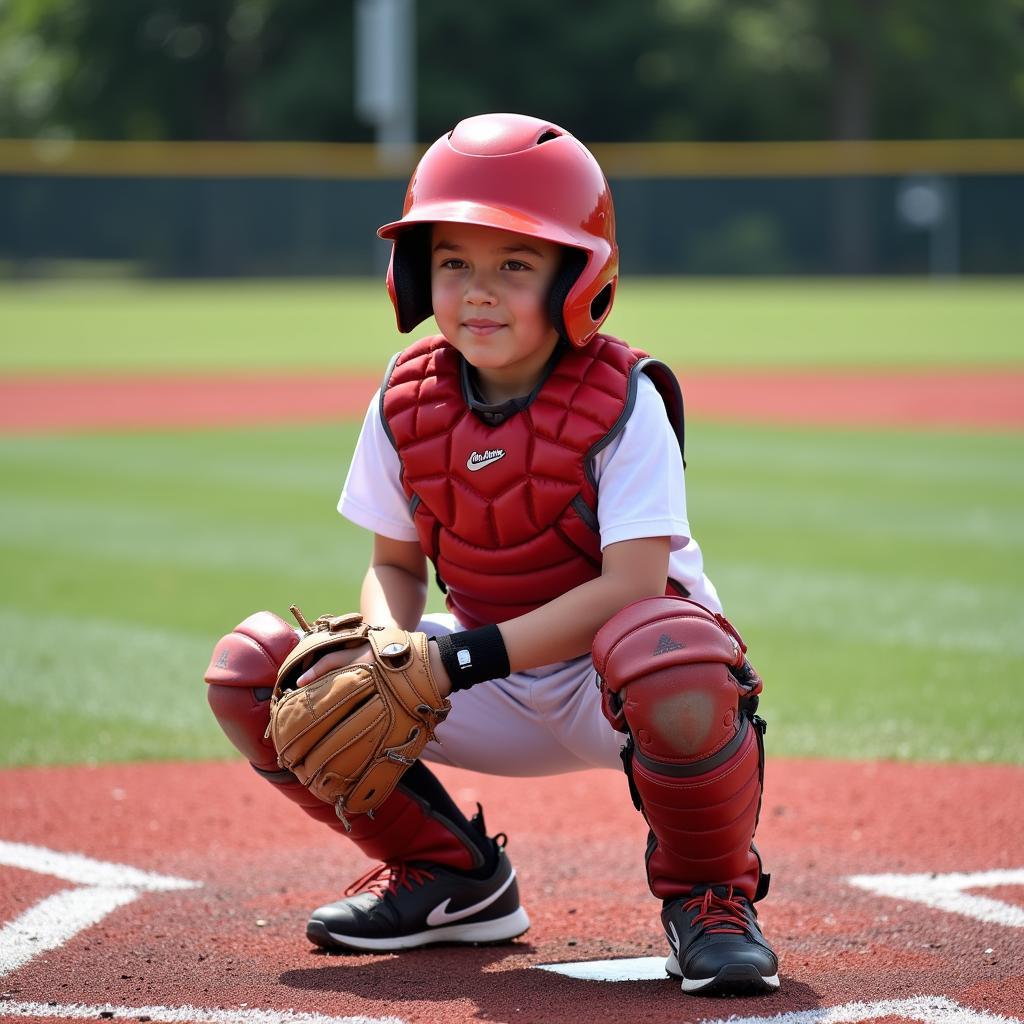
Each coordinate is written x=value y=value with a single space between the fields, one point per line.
x=717 y=947
x=400 y=906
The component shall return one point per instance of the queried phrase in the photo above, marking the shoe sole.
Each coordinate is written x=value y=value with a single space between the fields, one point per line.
x=501 y=929
x=731 y=980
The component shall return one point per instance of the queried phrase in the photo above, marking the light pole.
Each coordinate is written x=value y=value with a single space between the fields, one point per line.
x=385 y=66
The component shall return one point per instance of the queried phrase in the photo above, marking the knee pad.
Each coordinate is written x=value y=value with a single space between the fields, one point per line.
x=244 y=715
x=675 y=679
x=241 y=676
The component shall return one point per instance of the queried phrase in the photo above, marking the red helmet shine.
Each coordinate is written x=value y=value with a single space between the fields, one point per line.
x=519 y=174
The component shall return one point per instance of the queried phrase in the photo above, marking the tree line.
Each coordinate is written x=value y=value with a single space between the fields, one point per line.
x=609 y=70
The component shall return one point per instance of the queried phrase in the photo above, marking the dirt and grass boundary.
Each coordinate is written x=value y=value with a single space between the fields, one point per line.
x=923 y=399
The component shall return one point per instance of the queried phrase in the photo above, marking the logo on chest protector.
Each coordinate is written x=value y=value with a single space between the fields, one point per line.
x=477 y=460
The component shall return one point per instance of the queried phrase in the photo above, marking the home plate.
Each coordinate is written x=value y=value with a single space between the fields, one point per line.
x=641 y=968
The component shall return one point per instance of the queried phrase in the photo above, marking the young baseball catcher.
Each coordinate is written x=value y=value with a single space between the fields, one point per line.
x=537 y=465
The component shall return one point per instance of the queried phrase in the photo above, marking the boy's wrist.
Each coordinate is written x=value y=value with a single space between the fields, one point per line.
x=471 y=656
x=438 y=671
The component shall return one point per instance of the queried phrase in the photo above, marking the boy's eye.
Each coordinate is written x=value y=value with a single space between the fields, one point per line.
x=452 y=263
x=516 y=265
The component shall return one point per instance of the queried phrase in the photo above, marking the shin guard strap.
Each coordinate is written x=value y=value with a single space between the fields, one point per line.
x=682 y=771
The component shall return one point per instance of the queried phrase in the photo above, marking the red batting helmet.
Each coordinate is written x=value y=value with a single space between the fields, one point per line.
x=520 y=174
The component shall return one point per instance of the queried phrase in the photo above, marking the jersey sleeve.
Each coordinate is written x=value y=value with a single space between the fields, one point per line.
x=641 y=489
x=373 y=496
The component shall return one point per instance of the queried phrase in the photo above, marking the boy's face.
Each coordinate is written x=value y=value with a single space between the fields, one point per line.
x=490 y=293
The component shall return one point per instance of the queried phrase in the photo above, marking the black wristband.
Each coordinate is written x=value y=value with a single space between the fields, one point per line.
x=473 y=656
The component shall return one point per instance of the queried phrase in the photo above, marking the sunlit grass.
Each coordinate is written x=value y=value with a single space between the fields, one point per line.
x=873 y=574
x=349 y=324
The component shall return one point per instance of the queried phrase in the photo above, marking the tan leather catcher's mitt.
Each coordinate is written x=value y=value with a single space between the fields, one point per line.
x=349 y=736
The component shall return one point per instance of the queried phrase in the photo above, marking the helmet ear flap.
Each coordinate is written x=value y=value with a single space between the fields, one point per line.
x=573 y=263
x=410 y=277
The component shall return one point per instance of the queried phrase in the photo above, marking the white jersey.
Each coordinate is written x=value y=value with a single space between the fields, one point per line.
x=546 y=720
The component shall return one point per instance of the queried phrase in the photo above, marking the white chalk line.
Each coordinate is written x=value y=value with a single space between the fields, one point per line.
x=181 y=1014
x=924 y=1009
x=74 y=867
x=948 y=892
x=49 y=924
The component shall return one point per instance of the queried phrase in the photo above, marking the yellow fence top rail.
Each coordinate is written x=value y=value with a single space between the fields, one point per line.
x=620 y=160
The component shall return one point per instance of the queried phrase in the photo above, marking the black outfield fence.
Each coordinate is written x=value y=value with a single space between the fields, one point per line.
x=213 y=210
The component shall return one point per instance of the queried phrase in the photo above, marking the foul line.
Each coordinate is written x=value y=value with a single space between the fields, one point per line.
x=182 y=1014
x=73 y=867
x=922 y=1009
x=926 y=1009
x=948 y=892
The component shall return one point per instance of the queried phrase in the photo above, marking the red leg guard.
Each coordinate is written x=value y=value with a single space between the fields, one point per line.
x=702 y=819
x=405 y=827
x=674 y=677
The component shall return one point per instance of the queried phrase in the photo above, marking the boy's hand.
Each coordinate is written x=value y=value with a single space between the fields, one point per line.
x=342 y=659
x=335 y=660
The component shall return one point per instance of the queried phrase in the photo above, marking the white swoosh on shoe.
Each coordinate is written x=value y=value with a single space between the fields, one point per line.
x=439 y=915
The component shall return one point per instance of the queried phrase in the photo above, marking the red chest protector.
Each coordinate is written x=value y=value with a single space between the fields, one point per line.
x=506 y=507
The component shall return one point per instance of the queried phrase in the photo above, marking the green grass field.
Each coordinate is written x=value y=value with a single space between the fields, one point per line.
x=875 y=574
x=111 y=326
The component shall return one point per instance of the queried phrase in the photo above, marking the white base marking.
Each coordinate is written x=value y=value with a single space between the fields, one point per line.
x=925 y=1009
x=641 y=968
x=182 y=1014
x=56 y=919
x=948 y=892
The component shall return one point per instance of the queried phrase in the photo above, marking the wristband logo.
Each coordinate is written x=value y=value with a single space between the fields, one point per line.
x=476 y=461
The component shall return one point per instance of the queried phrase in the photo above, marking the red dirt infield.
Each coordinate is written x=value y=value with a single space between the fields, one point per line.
x=992 y=400
x=232 y=948
x=178 y=892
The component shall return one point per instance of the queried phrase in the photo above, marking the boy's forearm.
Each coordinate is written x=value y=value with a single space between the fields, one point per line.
x=565 y=628
x=392 y=595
